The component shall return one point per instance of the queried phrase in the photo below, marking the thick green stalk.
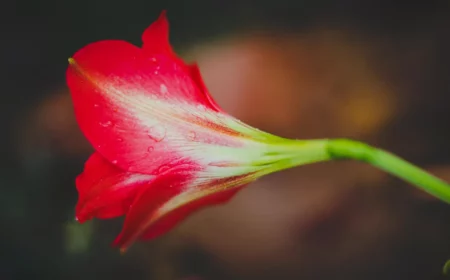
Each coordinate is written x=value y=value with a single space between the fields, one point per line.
x=348 y=149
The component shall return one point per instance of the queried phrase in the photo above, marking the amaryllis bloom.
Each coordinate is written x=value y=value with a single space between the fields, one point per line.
x=163 y=147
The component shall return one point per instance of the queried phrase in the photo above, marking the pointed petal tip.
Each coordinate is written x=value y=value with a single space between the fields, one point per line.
x=156 y=36
x=162 y=21
x=162 y=17
x=163 y=14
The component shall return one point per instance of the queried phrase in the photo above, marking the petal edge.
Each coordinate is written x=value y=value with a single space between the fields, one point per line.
x=105 y=191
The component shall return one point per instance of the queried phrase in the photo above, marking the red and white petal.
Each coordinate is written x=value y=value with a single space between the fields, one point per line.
x=106 y=191
x=116 y=91
x=171 y=198
x=143 y=210
x=131 y=108
x=174 y=217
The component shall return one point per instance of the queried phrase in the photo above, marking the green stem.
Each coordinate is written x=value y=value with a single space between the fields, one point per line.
x=348 y=149
x=310 y=151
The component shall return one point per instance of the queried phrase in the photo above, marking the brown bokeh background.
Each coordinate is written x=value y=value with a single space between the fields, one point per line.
x=368 y=70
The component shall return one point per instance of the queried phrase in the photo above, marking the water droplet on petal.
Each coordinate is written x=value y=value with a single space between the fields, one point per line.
x=105 y=124
x=153 y=59
x=157 y=133
x=163 y=88
x=156 y=72
x=199 y=119
x=191 y=135
x=163 y=169
x=96 y=105
x=150 y=149
x=114 y=161
x=119 y=139
x=201 y=107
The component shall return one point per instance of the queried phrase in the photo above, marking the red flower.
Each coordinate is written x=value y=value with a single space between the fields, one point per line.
x=164 y=148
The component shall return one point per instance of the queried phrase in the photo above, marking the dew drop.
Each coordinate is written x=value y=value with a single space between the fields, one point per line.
x=150 y=149
x=163 y=88
x=163 y=169
x=191 y=135
x=106 y=124
x=96 y=105
x=199 y=119
x=157 y=133
x=201 y=107
x=114 y=161
x=153 y=59
x=156 y=72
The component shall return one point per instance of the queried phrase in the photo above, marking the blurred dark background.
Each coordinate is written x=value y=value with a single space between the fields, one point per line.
x=376 y=71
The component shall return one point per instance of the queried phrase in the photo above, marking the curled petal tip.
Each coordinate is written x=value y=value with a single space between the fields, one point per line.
x=73 y=64
x=80 y=219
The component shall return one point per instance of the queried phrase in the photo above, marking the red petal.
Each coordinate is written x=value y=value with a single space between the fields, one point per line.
x=197 y=77
x=170 y=220
x=153 y=214
x=156 y=41
x=144 y=209
x=106 y=191
x=156 y=37
x=114 y=68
